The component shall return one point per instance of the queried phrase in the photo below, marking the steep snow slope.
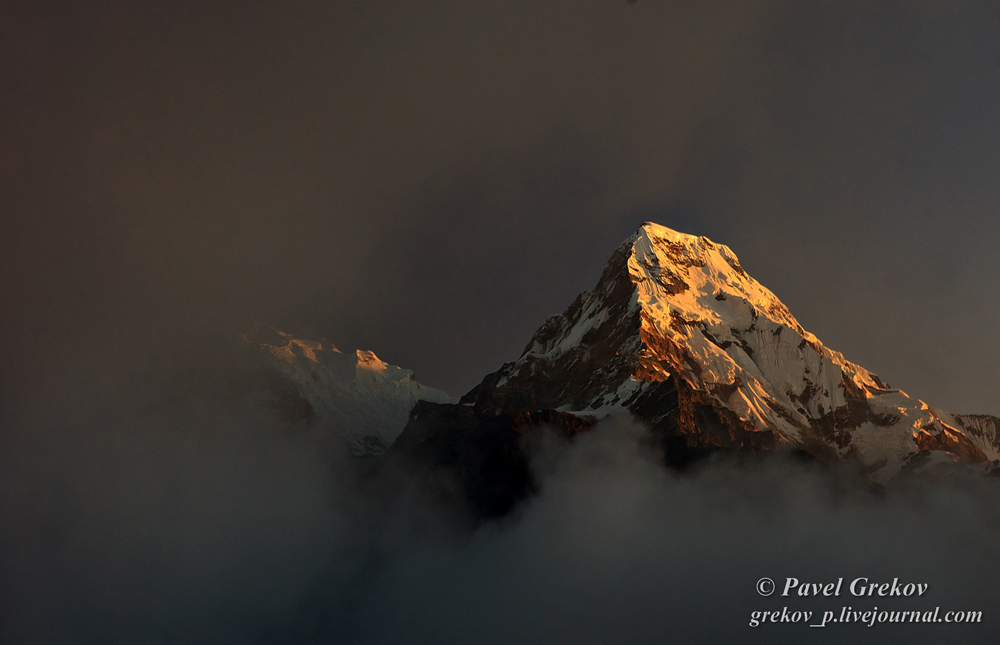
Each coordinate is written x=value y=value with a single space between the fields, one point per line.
x=983 y=430
x=359 y=396
x=679 y=334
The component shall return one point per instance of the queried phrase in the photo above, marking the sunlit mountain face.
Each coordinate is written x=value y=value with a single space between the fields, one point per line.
x=677 y=333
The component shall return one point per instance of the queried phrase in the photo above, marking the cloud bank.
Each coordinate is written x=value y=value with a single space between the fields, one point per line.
x=207 y=521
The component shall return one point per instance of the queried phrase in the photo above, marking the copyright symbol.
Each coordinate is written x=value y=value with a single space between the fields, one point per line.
x=765 y=586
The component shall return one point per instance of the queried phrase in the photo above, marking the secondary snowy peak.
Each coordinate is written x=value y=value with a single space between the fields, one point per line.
x=357 y=395
x=677 y=332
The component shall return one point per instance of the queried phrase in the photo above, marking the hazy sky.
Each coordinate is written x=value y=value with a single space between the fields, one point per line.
x=431 y=180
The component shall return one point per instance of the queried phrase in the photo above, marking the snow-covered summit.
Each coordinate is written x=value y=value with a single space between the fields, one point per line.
x=674 y=271
x=355 y=394
x=677 y=332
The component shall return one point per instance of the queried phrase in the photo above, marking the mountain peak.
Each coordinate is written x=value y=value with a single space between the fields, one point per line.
x=678 y=333
x=355 y=394
x=651 y=234
x=368 y=360
x=692 y=277
x=659 y=231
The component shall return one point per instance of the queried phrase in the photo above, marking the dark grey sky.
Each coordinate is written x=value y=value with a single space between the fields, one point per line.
x=431 y=180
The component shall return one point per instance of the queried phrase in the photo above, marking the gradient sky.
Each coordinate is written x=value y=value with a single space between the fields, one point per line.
x=431 y=180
